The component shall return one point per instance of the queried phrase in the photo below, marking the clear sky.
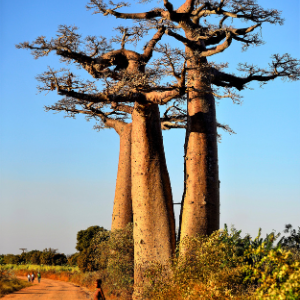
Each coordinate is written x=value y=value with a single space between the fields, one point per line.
x=57 y=175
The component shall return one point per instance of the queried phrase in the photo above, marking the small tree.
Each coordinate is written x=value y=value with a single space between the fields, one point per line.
x=292 y=241
x=85 y=237
x=85 y=259
x=72 y=259
x=47 y=258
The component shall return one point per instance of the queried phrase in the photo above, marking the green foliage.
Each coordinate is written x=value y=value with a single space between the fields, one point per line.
x=292 y=242
x=84 y=237
x=47 y=257
x=86 y=260
x=36 y=257
x=276 y=273
x=120 y=264
x=228 y=266
x=11 y=259
x=86 y=257
x=236 y=246
x=72 y=259
x=41 y=268
x=33 y=257
x=113 y=258
x=51 y=258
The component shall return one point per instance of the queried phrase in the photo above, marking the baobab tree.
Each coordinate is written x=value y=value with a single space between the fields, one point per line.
x=127 y=85
x=206 y=28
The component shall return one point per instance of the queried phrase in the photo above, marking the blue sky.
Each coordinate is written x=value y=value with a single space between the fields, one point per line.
x=57 y=175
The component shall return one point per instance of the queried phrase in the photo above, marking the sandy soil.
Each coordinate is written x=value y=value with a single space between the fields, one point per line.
x=51 y=290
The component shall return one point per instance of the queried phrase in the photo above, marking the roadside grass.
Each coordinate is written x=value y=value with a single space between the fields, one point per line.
x=41 y=268
x=9 y=283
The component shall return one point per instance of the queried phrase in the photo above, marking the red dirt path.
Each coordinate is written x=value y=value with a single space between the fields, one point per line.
x=50 y=289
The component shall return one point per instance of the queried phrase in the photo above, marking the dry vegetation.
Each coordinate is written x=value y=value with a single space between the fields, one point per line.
x=221 y=266
x=9 y=283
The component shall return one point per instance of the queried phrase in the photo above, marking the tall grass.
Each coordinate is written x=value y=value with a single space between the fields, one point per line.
x=41 y=268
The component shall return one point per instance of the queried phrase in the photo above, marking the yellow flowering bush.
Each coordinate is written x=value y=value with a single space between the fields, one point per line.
x=277 y=274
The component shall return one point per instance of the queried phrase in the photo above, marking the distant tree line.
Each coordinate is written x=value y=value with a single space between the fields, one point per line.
x=50 y=256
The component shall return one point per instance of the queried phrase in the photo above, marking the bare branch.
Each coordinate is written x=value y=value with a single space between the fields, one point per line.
x=180 y=38
x=165 y=97
x=212 y=37
x=91 y=112
x=219 y=48
x=99 y=7
x=225 y=128
x=148 y=50
x=129 y=35
x=283 y=66
x=170 y=62
x=168 y=6
x=243 y=9
x=67 y=46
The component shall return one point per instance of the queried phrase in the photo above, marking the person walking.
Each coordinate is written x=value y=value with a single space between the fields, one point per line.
x=29 y=277
x=99 y=295
x=32 y=277
x=39 y=276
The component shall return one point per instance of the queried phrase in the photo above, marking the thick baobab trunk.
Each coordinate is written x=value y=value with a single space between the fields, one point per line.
x=200 y=209
x=122 y=211
x=153 y=216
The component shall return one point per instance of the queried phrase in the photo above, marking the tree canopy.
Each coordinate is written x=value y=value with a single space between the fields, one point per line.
x=85 y=237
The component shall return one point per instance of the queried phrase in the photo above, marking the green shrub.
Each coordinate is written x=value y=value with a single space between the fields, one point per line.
x=72 y=260
x=228 y=266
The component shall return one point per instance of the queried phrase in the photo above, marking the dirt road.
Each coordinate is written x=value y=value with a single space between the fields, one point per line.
x=51 y=290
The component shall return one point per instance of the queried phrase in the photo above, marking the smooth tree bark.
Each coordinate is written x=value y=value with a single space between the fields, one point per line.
x=200 y=205
x=122 y=209
x=153 y=217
